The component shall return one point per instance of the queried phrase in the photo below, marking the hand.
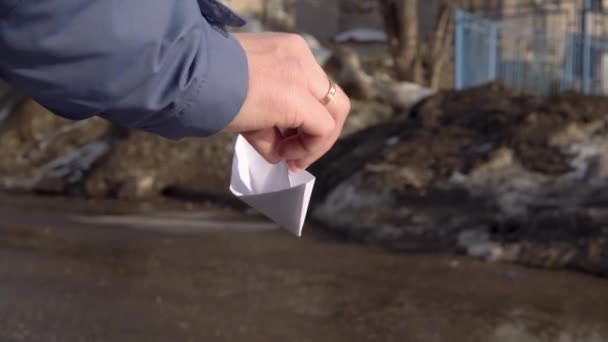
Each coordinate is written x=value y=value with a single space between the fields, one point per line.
x=282 y=116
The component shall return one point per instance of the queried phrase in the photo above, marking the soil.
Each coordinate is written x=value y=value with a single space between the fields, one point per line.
x=524 y=175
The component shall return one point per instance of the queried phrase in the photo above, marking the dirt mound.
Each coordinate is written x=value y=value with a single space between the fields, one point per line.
x=42 y=152
x=45 y=153
x=484 y=171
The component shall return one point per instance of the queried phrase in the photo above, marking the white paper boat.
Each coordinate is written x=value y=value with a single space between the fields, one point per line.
x=271 y=189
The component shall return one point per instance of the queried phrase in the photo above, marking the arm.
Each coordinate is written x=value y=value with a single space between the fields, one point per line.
x=154 y=65
x=157 y=65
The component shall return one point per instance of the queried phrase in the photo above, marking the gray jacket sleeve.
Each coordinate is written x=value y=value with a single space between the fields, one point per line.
x=154 y=65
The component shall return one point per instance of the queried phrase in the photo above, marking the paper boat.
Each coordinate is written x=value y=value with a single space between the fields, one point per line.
x=271 y=189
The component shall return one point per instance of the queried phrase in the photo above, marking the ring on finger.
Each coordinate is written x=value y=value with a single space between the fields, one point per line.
x=331 y=93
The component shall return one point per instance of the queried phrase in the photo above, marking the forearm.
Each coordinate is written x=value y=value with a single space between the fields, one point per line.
x=155 y=65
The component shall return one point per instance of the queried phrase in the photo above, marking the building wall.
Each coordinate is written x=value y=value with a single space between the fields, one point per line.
x=246 y=7
x=326 y=18
x=320 y=18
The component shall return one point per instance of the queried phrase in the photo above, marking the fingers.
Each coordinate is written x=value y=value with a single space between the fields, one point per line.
x=311 y=132
x=301 y=150
x=304 y=138
x=339 y=108
x=266 y=142
x=286 y=89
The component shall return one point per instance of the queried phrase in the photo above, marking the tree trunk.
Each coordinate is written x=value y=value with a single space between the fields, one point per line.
x=401 y=21
x=417 y=60
x=441 y=44
x=280 y=15
x=479 y=5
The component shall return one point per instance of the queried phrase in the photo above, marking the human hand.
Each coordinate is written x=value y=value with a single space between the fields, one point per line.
x=283 y=117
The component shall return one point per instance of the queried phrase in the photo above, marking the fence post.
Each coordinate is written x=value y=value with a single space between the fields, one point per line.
x=492 y=60
x=569 y=61
x=586 y=50
x=459 y=50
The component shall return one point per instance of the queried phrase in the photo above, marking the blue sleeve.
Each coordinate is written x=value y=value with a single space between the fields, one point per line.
x=154 y=65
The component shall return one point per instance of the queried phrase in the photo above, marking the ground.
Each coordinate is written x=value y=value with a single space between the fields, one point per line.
x=83 y=277
x=486 y=171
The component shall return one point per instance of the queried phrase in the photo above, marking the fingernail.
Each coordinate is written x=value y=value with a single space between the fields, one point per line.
x=293 y=167
x=278 y=157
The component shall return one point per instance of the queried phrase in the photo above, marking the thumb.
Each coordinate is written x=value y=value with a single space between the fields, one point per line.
x=266 y=143
x=316 y=127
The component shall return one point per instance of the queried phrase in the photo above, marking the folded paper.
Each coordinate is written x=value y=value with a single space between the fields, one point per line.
x=281 y=195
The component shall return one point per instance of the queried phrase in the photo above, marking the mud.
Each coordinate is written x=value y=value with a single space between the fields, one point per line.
x=485 y=171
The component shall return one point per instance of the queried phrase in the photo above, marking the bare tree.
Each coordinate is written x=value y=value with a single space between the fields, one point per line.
x=401 y=24
x=280 y=14
x=421 y=59
x=440 y=44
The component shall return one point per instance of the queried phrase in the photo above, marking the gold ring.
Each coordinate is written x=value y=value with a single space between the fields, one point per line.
x=331 y=94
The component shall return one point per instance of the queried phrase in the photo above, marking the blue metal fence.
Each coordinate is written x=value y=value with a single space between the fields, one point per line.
x=529 y=57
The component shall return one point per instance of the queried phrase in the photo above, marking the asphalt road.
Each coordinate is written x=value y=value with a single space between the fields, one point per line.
x=82 y=271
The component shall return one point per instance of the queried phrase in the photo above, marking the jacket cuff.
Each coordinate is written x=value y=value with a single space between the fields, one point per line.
x=220 y=92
